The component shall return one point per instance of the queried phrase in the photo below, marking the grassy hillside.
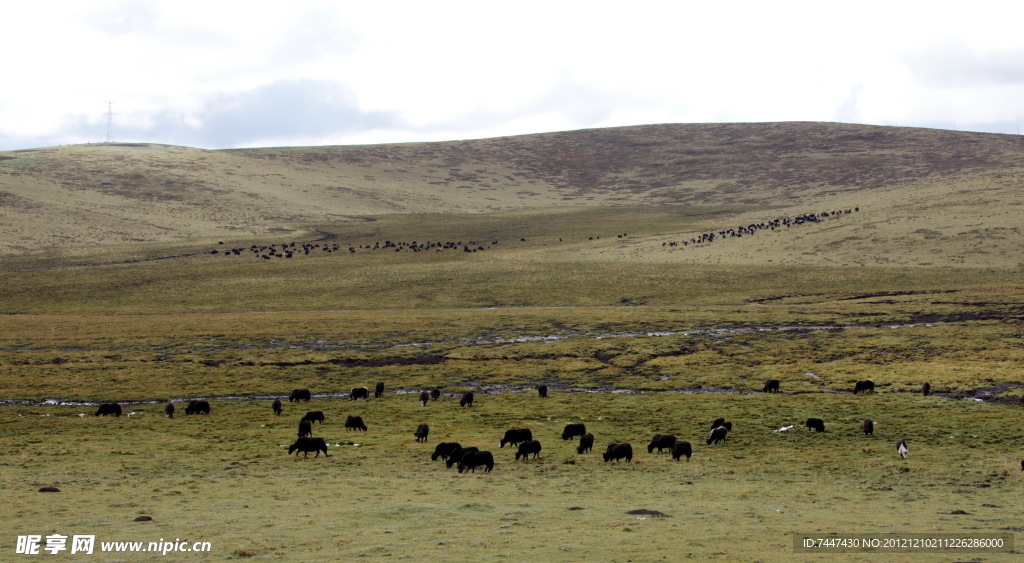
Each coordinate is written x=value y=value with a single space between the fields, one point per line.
x=652 y=277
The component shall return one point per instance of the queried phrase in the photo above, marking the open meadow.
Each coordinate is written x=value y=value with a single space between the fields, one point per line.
x=637 y=325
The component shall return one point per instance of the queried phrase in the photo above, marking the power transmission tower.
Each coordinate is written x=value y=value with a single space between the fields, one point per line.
x=110 y=122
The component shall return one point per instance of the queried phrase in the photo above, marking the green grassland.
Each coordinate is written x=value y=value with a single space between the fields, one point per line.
x=118 y=286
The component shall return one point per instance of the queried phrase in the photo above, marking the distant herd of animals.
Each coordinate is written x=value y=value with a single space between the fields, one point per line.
x=754 y=228
x=295 y=249
x=469 y=458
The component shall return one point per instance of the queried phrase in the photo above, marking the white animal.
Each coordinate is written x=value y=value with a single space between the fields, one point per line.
x=903 y=449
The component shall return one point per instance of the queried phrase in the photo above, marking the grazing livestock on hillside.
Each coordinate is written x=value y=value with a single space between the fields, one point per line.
x=681 y=448
x=299 y=395
x=169 y=410
x=619 y=451
x=471 y=460
x=542 y=390
x=771 y=386
x=573 y=430
x=869 y=427
x=586 y=443
x=306 y=445
x=305 y=428
x=314 y=416
x=456 y=455
x=527 y=448
x=717 y=435
x=717 y=422
x=926 y=389
x=467 y=399
x=276 y=405
x=359 y=393
x=903 y=449
x=435 y=393
x=421 y=433
x=515 y=436
x=423 y=398
x=197 y=407
x=662 y=442
x=378 y=389
x=865 y=386
x=444 y=449
x=815 y=424
x=355 y=423
x=108 y=408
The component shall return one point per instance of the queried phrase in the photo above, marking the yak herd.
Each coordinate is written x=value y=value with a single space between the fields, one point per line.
x=754 y=228
x=470 y=458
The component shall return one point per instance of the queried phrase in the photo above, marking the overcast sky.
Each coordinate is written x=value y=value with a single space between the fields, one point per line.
x=219 y=74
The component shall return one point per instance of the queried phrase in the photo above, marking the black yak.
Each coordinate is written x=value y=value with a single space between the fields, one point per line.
x=467 y=400
x=109 y=408
x=717 y=435
x=169 y=410
x=815 y=424
x=306 y=445
x=865 y=386
x=276 y=405
x=573 y=430
x=314 y=416
x=305 y=428
x=515 y=436
x=586 y=443
x=471 y=460
x=423 y=398
x=456 y=455
x=299 y=395
x=354 y=423
x=771 y=386
x=359 y=393
x=542 y=390
x=662 y=442
x=527 y=448
x=869 y=427
x=619 y=451
x=926 y=389
x=378 y=389
x=197 y=407
x=421 y=433
x=681 y=448
x=444 y=449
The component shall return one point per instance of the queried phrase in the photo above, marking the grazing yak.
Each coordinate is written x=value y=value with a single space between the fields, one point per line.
x=423 y=398
x=527 y=448
x=109 y=408
x=573 y=430
x=435 y=393
x=467 y=399
x=314 y=416
x=586 y=443
x=276 y=405
x=421 y=433
x=717 y=422
x=903 y=449
x=456 y=455
x=869 y=427
x=305 y=428
x=378 y=389
x=681 y=448
x=771 y=386
x=717 y=435
x=299 y=395
x=444 y=449
x=471 y=460
x=662 y=442
x=865 y=386
x=619 y=451
x=197 y=407
x=354 y=423
x=306 y=445
x=515 y=436
x=815 y=424
x=542 y=390
x=359 y=393
x=926 y=389
x=169 y=410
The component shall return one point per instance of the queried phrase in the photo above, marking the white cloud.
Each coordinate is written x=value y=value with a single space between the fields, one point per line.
x=220 y=74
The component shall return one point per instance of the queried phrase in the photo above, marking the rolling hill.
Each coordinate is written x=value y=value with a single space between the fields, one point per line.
x=929 y=197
